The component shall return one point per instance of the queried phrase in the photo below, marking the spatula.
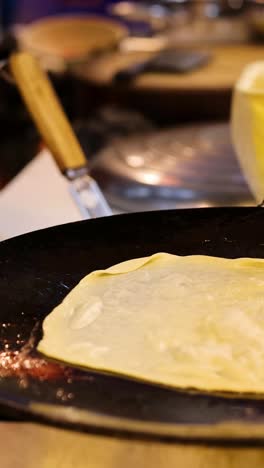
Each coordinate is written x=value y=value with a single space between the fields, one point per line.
x=56 y=131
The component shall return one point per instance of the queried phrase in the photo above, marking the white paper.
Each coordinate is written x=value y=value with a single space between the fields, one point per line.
x=37 y=198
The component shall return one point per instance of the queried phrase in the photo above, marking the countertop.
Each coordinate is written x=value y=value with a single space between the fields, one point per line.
x=26 y=445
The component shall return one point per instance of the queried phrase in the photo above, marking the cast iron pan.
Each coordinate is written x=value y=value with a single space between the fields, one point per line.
x=37 y=270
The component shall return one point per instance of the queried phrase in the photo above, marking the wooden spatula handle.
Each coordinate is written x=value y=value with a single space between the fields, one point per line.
x=48 y=115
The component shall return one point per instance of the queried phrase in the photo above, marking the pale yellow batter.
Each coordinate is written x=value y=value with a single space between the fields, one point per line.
x=189 y=322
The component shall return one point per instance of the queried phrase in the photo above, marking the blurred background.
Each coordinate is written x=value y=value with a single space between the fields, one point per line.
x=147 y=86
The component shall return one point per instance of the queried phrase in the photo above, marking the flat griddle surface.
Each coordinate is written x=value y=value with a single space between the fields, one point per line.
x=37 y=270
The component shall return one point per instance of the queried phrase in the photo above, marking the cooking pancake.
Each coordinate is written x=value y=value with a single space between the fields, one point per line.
x=183 y=321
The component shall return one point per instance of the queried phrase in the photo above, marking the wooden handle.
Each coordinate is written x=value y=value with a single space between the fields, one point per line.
x=48 y=115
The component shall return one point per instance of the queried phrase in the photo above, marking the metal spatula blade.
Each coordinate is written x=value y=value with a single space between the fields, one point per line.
x=89 y=198
x=55 y=129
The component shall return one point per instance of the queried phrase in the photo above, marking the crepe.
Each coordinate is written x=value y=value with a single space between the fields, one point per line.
x=187 y=322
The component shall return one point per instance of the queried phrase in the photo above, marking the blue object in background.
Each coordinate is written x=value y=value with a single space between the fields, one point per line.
x=24 y=11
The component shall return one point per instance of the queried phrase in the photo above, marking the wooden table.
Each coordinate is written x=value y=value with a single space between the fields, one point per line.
x=26 y=445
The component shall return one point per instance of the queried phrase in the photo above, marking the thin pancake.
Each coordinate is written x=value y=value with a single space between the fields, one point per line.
x=188 y=322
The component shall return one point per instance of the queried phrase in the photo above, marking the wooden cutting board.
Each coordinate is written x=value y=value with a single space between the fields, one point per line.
x=220 y=74
x=203 y=94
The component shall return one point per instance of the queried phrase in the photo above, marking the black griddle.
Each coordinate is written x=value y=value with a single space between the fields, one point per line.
x=37 y=270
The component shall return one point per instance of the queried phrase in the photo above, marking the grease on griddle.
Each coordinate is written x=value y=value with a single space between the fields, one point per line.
x=62 y=395
x=18 y=359
x=15 y=364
